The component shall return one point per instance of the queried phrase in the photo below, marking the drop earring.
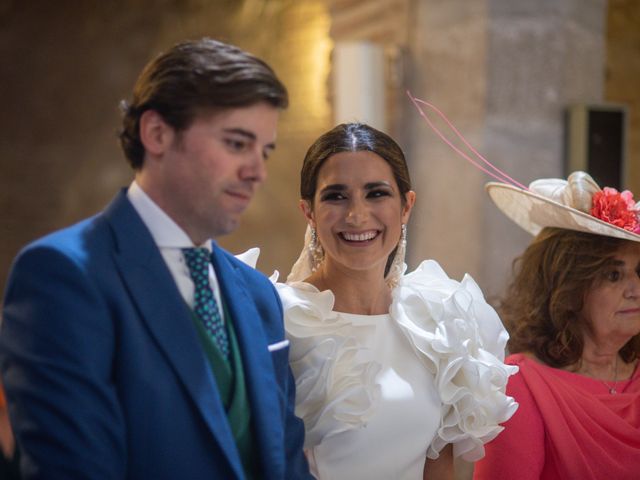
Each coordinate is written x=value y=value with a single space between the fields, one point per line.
x=316 y=250
x=396 y=270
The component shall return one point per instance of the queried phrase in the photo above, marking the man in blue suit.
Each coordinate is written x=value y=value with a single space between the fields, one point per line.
x=132 y=346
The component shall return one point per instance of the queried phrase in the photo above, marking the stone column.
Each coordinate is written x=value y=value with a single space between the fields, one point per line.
x=503 y=71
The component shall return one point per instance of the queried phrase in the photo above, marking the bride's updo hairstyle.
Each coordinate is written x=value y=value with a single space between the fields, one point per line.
x=352 y=137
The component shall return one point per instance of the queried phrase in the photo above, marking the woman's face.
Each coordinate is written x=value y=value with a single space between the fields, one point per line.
x=612 y=306
x=357 y=210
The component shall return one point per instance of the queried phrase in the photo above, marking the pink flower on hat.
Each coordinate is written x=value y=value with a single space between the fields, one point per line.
x=616 y=208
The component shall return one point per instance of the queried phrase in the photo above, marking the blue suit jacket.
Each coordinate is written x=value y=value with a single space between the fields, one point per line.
x=104 y=372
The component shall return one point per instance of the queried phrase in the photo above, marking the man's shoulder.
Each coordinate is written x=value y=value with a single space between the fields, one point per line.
x=71 y=238
x=92 y=234
x=59 y=256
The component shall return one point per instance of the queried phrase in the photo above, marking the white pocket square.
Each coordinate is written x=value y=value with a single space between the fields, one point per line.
x=278 y=345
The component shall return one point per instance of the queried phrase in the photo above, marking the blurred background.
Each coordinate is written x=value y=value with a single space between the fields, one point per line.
x=506 y=72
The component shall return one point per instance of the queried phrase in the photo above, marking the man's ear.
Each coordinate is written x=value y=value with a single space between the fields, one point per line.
x=155 y=134
x=305 y=206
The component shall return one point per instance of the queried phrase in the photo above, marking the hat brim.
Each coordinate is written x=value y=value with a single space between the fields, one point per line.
x=533 y=212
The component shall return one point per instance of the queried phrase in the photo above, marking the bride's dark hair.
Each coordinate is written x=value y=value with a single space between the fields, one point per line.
x=352 y=137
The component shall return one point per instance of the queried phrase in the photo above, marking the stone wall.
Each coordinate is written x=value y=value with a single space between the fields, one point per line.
x=504 y=71
x=622 y=79
x=65 y=65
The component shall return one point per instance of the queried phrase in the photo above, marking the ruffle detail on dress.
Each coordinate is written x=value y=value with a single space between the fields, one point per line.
x=461 y=341
x=335 y=375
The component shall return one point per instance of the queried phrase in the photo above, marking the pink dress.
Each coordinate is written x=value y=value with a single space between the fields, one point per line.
x=568 y=426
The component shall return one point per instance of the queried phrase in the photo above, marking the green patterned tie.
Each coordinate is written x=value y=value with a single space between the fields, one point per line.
x=205 y=305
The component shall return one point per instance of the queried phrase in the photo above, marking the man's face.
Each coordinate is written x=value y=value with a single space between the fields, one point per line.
x=212 y=169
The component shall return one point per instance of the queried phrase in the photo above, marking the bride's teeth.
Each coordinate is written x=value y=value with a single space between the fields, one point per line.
x=359 y=237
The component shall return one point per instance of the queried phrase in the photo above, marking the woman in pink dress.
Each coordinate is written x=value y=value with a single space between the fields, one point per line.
x=573 y=314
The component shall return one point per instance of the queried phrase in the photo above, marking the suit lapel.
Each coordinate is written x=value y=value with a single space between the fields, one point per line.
x=258 y=366
x=167 y=317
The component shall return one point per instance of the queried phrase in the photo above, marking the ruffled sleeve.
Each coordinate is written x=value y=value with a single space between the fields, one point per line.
x=461 y=340
x=335 y=375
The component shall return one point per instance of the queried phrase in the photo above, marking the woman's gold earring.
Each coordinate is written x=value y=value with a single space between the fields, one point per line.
x=317 y=252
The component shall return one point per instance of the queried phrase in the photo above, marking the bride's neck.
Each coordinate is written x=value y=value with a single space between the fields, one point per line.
x=359 y=292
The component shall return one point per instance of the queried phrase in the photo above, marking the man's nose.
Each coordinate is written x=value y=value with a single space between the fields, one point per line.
x=255 y=169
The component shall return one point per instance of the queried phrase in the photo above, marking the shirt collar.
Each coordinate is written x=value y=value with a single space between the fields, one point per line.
x=165 y=232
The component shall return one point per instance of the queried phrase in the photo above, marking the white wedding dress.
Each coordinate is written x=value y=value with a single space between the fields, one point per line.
x=379 y=393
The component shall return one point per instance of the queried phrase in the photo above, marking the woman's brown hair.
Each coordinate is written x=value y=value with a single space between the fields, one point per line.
x=352 y=137
x=543 y=305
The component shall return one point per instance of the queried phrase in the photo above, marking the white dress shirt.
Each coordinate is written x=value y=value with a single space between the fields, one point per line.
x=170 y=239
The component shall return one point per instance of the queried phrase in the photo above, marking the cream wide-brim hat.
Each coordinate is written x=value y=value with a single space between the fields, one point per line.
x=557 y=203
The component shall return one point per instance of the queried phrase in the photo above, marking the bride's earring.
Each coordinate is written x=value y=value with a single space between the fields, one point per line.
x=397 y=265
x=316 y=250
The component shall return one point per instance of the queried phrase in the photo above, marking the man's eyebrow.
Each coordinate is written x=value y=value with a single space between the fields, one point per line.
x=249 y=135
x=241 y=131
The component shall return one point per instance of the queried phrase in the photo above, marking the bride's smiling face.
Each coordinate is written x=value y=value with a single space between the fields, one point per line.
x=358 y=210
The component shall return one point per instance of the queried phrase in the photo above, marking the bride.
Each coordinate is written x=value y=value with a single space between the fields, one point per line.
x=395 y=374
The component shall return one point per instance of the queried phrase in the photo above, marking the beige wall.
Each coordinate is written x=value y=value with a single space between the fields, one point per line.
x=65 y=65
